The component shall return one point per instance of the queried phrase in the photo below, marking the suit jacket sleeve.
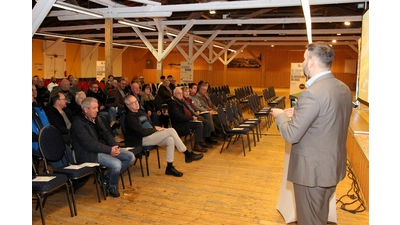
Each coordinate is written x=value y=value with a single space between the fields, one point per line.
x=292 y=130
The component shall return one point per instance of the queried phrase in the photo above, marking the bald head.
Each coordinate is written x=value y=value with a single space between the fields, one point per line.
x=135 y=88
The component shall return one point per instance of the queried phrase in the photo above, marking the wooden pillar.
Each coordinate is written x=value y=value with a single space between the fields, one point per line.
x=159 y=70
x=108 y=47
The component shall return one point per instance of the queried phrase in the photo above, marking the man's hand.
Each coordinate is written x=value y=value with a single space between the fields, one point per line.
x=289 y=112
x=276 y=111
x=159 y=128
x=115 y=151
x=101 y=107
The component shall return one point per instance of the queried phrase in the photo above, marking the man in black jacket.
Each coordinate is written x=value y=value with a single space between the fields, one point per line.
x=140 y=131
x=60 y=117
x=93 y=142
x=183 y=122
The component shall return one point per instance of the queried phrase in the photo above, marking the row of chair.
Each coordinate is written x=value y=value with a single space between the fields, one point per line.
x=272 y=100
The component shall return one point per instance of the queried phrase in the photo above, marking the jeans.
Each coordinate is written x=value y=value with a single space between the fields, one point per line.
x=115 y=165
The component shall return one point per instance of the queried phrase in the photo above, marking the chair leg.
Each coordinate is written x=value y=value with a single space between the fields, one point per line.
x=129 y=175
x=67 y=189
x=39 y=203
x=103 y=188
x=147 y=164
x=122 y=180
x=244 y=151
x=158 y=158
x=248 y=141
x=141 y=166
x=73 y=196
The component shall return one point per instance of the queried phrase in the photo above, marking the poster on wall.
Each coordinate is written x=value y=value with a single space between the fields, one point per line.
x=297 y=78
x=100 y=70
x=186 y=72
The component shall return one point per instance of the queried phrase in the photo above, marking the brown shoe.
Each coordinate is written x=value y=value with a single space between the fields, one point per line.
x=198 y=148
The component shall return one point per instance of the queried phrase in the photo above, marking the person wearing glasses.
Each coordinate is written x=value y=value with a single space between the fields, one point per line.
x=141 y=132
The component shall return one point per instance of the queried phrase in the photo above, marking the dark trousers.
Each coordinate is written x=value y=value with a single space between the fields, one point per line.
x=198 y=130
x=312 y=204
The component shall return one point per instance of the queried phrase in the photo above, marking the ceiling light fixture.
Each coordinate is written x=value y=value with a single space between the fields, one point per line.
x=347 y=23
x=212 y=11
x=78 y=9
x=307 y=16
x=87 y=40
x=333 y=41
x=133 y=24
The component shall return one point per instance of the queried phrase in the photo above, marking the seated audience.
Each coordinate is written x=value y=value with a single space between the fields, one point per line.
x=147 y=102
x=201 y=105
x=60 y=117
x=205 y=116
x=42 y=93
x=39 y=120
x=52 y=84
x=182 y=120
x=93 y=142
x=108 y=112
x=141 y=82
x=162 y=78
x=141 y=132
x=119 y=94
x=108 y=85
x=69 y=93
x=79 y=96
x=74 y=85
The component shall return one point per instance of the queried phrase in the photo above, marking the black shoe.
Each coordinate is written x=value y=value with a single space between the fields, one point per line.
x=172 y=171
x=191 y=156
x=211 y=141
x=205 y=145
x=198 y=148
x=113 y=191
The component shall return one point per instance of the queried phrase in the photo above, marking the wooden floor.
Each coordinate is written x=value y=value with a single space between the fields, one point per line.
x=226 y=188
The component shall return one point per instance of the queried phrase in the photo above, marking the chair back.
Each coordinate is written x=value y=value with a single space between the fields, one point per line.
x=51 y=144
x=229 y=113
x=223 y=119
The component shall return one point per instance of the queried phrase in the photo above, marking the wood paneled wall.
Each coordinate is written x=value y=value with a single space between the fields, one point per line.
x=274 y=70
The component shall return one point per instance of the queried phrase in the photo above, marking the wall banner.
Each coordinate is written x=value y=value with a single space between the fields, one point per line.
x=297 y=78
x=100 y=70
x=186 y=72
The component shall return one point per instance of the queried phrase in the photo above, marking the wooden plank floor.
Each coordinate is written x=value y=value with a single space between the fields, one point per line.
x=225 y=188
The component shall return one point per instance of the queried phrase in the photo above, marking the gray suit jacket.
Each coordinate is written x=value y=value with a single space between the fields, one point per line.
x=318 y=132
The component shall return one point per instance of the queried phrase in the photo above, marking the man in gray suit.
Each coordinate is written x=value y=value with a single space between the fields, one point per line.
x=317 y=129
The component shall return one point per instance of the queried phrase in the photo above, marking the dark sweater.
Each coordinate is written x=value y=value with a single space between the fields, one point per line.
x=134 y=131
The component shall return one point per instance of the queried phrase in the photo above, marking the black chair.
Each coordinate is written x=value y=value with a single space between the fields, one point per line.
x=238 y=114
x=258 y=111
x=234 y=122
x=52 y=147
x=230 y=132
x=43 y=186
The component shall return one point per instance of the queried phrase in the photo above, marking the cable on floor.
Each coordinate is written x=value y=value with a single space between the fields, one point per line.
x=352 y=197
